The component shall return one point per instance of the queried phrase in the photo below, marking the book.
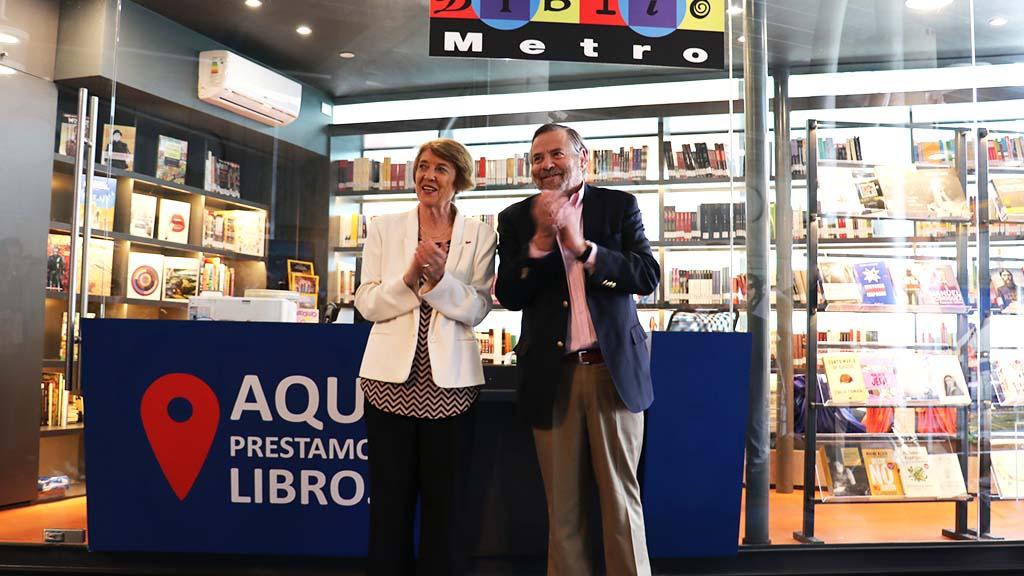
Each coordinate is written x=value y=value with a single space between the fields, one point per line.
x=880 y=380
x=228 y=178
x=940 y=286
x=244 y=231
x=931 y=193
x=916 y=472
x=1007 y=288
x=68 y=144
x=947 y=377
x=1008 y=376
x=171 y=159
x=838 y=282
x=1008 y=197
x=58 y=262
x=145 y=276
x=874 y=282
x=101 y=265
x=119 y=146
x=845 y=378
x=838 y=192
x=907 y=285
x=870 y=194
x=104 y=197
x=914 y=380
x=1008 y=472
x=174 y=219
x=213 y=229
x=883 y=472
x=948 y=475
x=904 y=421
x=143 y=216
x=847 y=472
x=181 y=278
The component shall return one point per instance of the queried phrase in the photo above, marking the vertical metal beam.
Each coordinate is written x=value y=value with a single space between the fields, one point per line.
x=76 y=196
x=985 y=393
x=784 y=286
x=755 y=107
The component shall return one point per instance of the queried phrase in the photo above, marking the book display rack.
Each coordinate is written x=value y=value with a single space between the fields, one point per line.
x=912 y=444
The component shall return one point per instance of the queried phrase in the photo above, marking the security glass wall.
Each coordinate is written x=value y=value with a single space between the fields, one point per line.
x=885 y=293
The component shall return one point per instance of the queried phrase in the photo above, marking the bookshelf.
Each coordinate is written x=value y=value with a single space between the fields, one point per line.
x=1000 y=167
x=124 y=227
x=914 y=445
x=624 y=155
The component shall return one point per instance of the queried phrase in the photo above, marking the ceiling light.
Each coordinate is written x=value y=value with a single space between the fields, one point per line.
x=8 y=38
x=347 y=55
x=998 y=21
x=741 y=39
x=928 y=5
x=304 y=30
x=734 y=10
x=254 y=3
x=5 y=71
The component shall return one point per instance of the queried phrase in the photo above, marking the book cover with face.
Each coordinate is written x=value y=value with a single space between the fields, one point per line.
x=847 y=472
x=947 y=376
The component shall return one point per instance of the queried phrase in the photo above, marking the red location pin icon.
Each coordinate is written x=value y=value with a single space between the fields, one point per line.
x=180 y=447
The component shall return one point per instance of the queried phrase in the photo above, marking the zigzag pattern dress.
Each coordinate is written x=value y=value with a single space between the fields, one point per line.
x=419 y=396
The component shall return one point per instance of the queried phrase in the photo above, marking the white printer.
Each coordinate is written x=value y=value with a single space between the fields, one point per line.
x=256 y=306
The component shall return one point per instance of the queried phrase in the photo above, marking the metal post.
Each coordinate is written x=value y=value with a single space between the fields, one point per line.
x=755 y=102
x=90 y=170
x=811 y=395
x=985 y=395
x=784 y=286
x=76 y=195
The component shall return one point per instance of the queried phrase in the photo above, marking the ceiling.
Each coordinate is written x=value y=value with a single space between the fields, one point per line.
x=389 y=39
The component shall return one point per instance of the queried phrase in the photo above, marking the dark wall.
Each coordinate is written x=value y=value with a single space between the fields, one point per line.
x=27 y=106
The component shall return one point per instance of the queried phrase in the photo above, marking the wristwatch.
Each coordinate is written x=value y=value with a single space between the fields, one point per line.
x=586 y=253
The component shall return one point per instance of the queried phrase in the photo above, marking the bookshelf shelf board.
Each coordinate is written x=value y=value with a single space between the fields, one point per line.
x=896 y=309
x=157 y=303
x=906 y=404
x=45 y=431
x=888 y=499
x=164 y=244
x=903 y=218
x=102 y=170
x=880 y=436
x=54 y=364
x=882 y=346
x=716 y=244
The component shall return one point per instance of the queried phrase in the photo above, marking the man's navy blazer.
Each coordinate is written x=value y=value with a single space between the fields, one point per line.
x=624 y=266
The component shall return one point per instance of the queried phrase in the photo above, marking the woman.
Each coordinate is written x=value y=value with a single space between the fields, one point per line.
x=426 y=281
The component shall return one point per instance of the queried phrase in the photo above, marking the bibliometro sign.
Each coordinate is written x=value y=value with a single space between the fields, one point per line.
x=684 y=33
x=225 y=437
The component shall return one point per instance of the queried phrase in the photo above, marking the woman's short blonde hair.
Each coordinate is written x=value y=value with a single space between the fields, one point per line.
x=451 y=151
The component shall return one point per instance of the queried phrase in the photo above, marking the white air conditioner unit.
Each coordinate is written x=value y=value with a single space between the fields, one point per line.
x=231 y=82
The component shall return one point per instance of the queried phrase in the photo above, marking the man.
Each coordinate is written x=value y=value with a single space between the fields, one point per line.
x=571 y=259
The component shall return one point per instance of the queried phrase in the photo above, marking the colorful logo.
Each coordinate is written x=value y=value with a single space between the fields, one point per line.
x=180 y=442
x=686 y=33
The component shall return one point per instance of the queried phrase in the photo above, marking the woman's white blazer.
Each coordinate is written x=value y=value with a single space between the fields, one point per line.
x=460 y=301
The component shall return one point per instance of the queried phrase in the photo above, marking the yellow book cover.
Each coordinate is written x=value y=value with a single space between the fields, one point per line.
x=845 y=378
x=883 y=472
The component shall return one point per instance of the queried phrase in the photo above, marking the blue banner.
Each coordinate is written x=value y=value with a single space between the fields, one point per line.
x=696 y=430
x=225 y=437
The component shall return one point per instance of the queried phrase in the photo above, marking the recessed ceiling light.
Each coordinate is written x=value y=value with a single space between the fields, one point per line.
x=928 y=5
x=304 y=30
x=734 y=10
x=8 y=38
x=347 y=55
x=998 y=21
x=741 y=39
x=5 y=71
x=254 y=3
